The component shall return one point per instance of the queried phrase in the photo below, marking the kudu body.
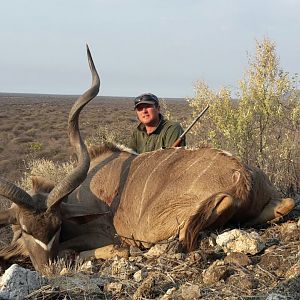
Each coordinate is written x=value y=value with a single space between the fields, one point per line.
x=156 y=195
x=116 y=195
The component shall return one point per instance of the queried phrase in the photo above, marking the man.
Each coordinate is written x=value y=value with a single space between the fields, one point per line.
x=154 y=132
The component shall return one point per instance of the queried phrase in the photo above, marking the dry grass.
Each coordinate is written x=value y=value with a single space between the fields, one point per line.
x=53 y=171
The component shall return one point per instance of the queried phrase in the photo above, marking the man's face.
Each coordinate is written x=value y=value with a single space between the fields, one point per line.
x=148 y=114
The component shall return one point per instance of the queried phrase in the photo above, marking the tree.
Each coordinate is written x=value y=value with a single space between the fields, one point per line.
x=266 y=94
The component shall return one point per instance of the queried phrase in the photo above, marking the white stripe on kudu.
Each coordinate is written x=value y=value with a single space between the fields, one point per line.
x=203 y=171
x=149 y=176
x=44 y=246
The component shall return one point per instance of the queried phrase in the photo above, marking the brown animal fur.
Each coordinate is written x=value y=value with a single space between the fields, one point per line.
x=151 y=202
x=97 y=150
x=15 y=249
x=40 y=184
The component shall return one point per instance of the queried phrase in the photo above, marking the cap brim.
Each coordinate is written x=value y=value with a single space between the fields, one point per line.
x=144 y=102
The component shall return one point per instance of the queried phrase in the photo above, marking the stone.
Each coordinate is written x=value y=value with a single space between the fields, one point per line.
x=136 y=259
x=275 y=296
x=270 y=262
x=240 y=241
x=177 y=256
x=237 y=258
x=288 y=228
x=79 y=283
x=17 y=282
x=216 y=272
x=244 y=281
x=194 y=257
x=156 y=250
x=146 y=287
x=293 y=271
x=122 y=268
x=135 y=251
x=190 y=291
x=140 y=275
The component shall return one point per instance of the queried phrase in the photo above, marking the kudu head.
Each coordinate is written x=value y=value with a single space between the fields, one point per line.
x=37 y=214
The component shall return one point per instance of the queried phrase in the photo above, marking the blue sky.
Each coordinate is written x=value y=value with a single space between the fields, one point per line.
x=158 y=46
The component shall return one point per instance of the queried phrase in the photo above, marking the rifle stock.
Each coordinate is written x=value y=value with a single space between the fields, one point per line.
x=177 y=143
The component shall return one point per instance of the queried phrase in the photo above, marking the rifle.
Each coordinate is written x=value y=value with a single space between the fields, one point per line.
x=178 y=141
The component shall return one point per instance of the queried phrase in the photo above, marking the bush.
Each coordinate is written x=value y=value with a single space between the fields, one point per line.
x=105 y=134
x=46 y=168
x=262 y=125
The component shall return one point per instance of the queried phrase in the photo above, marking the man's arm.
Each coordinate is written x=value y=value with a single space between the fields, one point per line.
x=133 y=142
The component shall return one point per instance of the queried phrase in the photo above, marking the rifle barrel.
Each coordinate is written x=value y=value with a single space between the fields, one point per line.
x=193 y=123
x=178 y=141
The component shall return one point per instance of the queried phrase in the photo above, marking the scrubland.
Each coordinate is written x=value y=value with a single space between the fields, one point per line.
x=33 y=131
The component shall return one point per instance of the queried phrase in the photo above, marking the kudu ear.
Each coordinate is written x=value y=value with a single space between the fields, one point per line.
x=79 y=214
x=85 y=218
x=9 y=216
x=41 y=184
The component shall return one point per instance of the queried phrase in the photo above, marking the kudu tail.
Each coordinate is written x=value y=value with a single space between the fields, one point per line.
x=206 y=217
x=217 y=210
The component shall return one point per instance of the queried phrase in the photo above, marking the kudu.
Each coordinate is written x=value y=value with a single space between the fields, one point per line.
x=115 y=194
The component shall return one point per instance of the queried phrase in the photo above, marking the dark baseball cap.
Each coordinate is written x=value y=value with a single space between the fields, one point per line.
x=147 y=98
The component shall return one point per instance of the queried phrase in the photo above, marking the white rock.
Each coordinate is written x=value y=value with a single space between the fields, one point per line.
x=17 y=282
x=240 y=241
x=274 y=296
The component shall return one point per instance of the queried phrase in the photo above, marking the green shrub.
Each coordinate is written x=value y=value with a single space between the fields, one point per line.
x=262 y=125
x=35 y=146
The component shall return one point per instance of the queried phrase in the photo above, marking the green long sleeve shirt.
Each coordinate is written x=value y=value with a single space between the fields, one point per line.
x=163 y=136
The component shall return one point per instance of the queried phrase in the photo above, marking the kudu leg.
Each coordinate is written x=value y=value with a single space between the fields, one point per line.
x=106 y=252
x=222 y=212
x=274 y=210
